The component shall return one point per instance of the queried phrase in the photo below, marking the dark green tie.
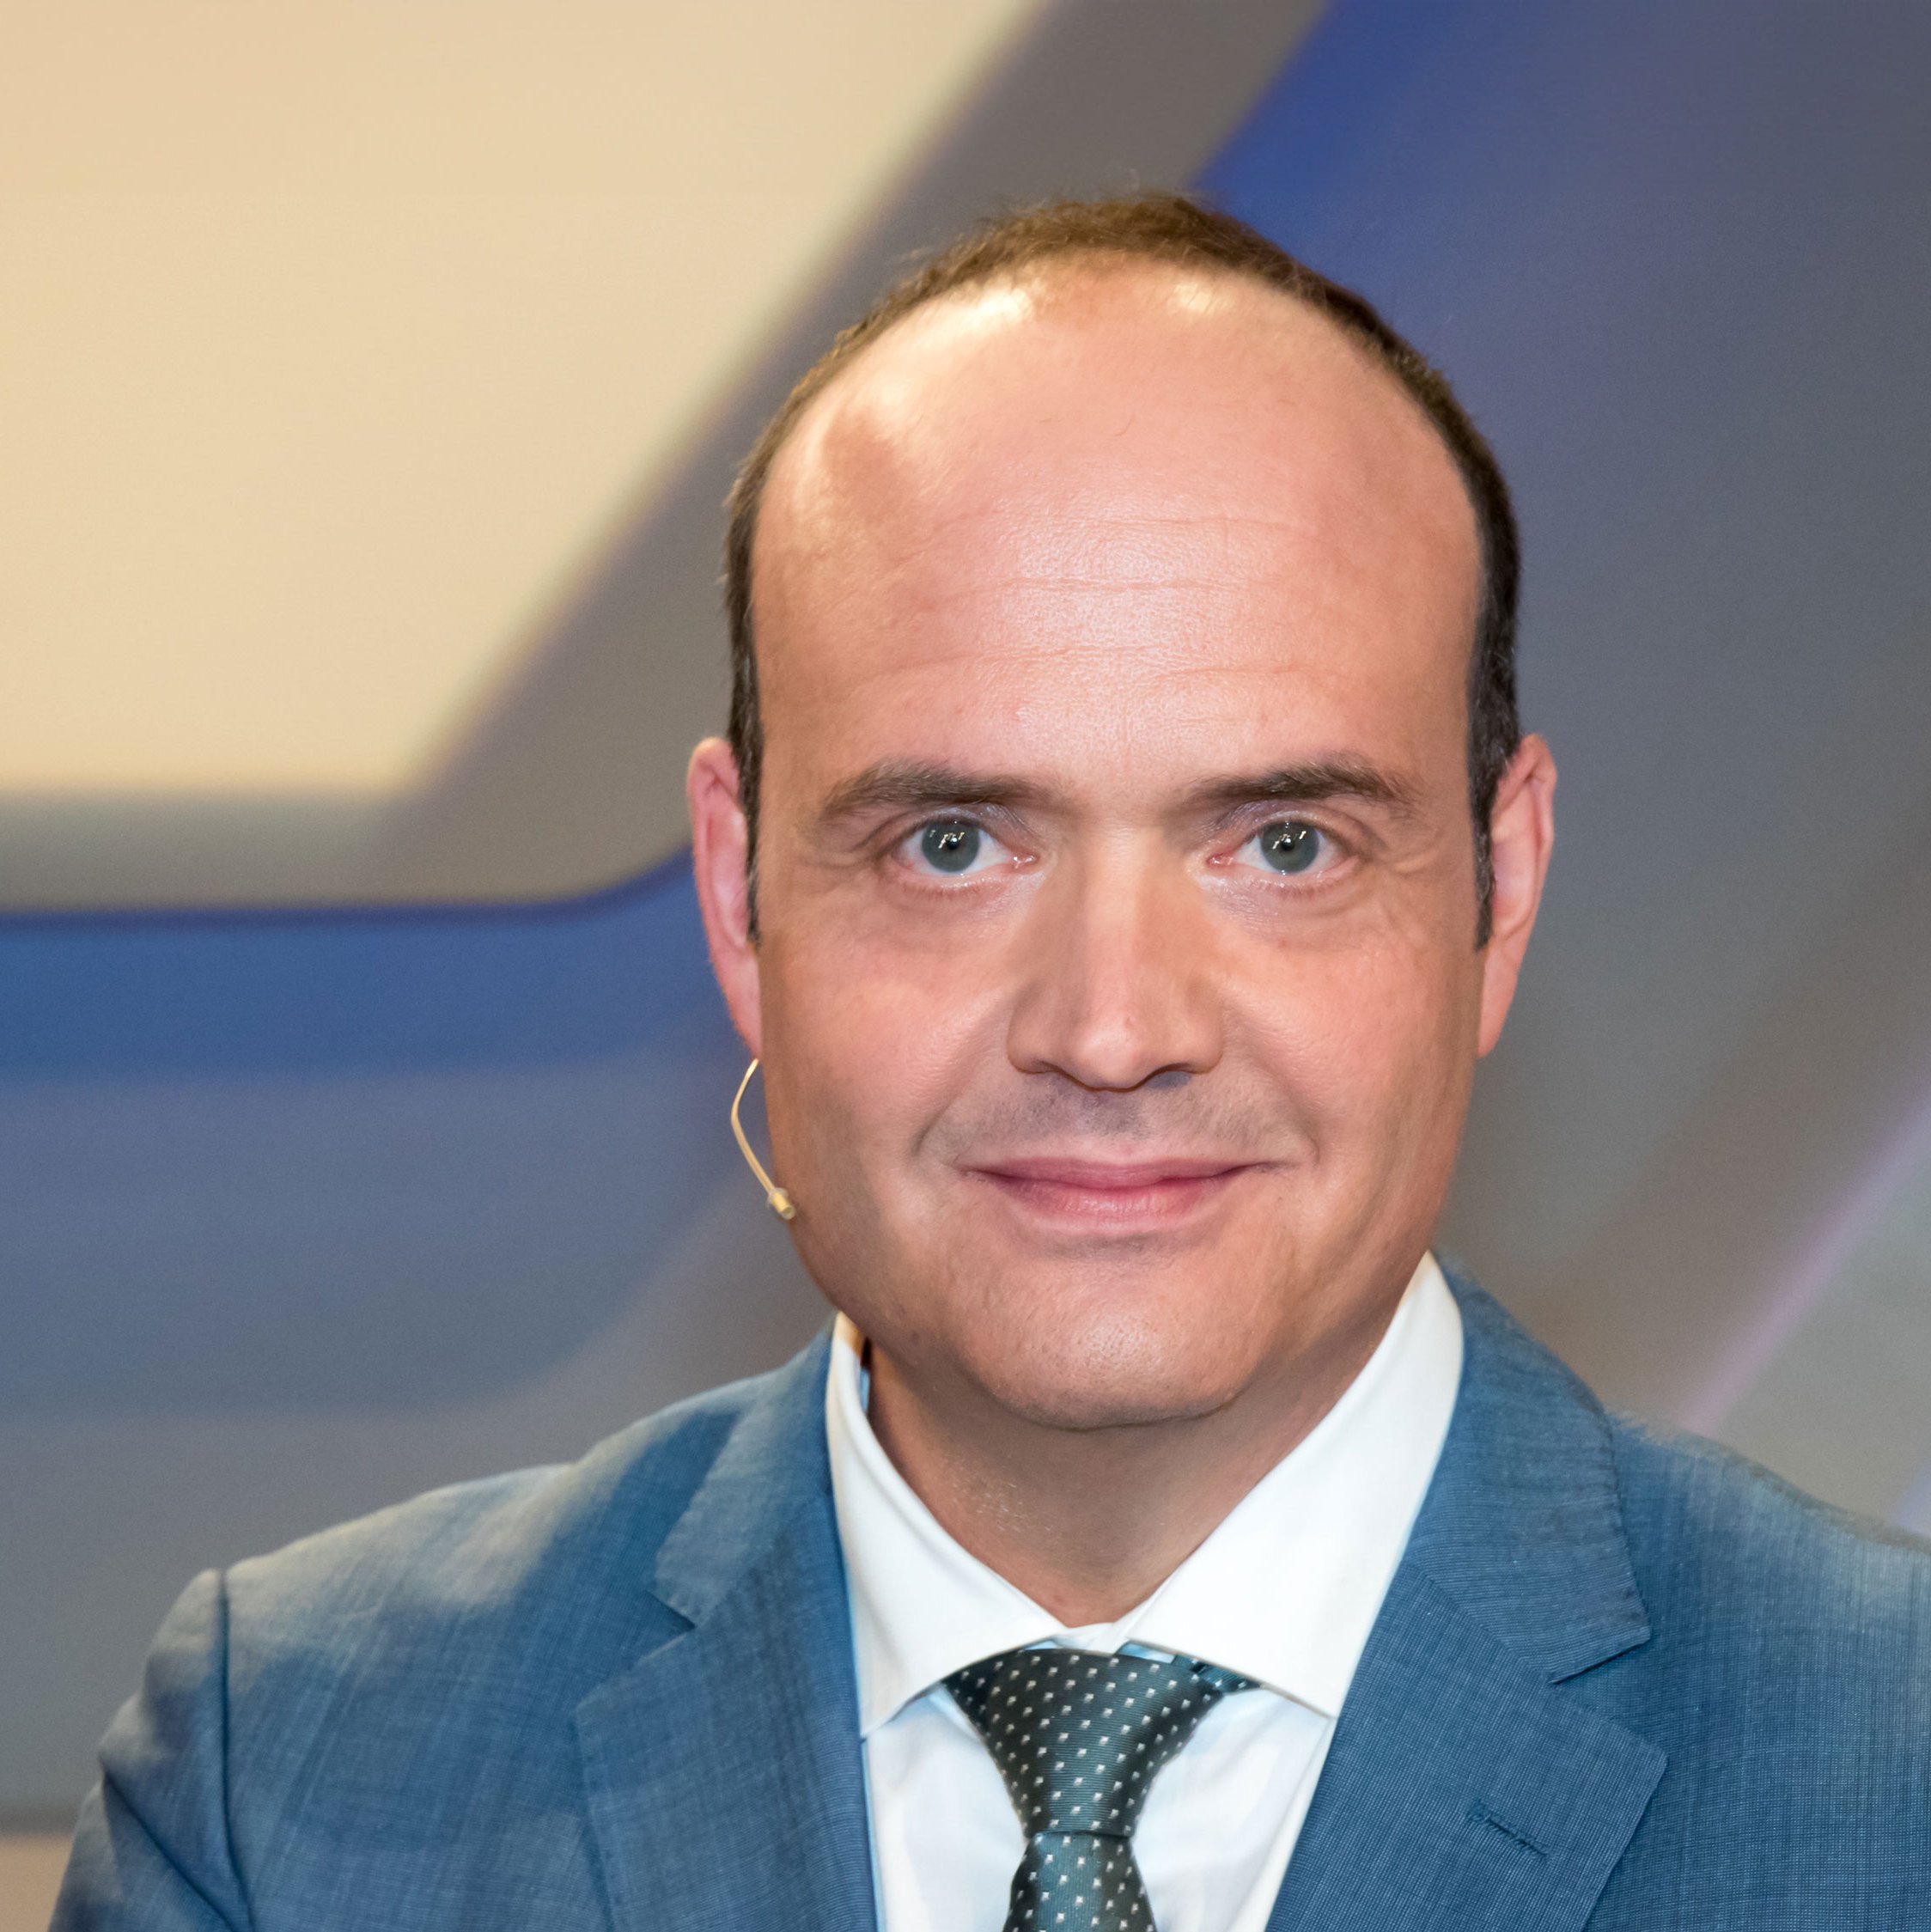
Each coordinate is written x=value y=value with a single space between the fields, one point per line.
x=1078 y=1737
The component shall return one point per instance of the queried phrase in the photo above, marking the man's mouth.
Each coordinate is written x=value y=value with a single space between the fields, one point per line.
x=1153 y=1191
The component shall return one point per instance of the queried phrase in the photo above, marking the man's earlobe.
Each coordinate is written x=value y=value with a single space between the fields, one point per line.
x=719 y=860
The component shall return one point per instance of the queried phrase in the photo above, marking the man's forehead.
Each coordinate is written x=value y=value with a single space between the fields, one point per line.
x=1119 y=530
x=1118 y=391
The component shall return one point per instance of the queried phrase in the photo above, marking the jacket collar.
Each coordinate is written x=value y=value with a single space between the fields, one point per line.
x=1523 y=1524
x=1470 y=1780
x=722 y=1771
x=772 y=1471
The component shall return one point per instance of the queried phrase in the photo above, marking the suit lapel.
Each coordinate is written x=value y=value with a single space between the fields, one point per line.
x=1462 y=1789
x=1470 y=1782
x=723 y=1771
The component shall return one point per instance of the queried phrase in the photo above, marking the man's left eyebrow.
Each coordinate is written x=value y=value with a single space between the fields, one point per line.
x=1314 y=783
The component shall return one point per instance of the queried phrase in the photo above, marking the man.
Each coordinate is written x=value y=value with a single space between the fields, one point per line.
x=1124 y=849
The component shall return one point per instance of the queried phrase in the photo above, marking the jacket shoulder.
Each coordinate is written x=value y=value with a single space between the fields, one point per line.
x=456 y=1561
x=1703 y=1514
x=1749 y=1583
x=396 y=1696
x=1714 y=1544
x=1787 y=1677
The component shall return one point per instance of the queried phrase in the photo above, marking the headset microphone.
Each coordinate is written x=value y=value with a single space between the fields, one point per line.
x=781 y=1203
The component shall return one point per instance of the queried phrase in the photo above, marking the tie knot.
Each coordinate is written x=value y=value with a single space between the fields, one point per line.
x=1079 y=1735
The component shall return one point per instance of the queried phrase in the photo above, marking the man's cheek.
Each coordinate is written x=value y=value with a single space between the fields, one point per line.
x=1354 y=1055
x=881 y=1054
x=1327 y=1021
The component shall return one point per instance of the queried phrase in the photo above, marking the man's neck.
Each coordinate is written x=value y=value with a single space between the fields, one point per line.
x=1089 y=1522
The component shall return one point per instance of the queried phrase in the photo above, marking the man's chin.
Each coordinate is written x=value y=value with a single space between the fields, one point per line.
x=1099 y=1373
x=1118 y=1408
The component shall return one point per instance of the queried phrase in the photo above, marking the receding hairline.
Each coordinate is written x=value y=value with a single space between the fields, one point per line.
x=1060 y=272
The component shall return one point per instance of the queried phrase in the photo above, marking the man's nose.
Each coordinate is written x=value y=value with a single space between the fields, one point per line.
x=1119 y=984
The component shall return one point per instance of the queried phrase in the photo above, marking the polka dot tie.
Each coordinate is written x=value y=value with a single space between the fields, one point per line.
x=1079 y=1737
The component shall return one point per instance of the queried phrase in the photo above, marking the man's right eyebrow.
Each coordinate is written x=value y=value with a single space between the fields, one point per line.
x=895 y=784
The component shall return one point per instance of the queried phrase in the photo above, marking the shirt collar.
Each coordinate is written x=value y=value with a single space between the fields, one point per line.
x=1285 y=1590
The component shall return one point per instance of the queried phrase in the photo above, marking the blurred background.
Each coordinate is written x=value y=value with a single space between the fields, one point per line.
x=369 y=379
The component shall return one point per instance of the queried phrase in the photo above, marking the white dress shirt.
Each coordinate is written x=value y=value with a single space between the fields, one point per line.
x=1284 y=1591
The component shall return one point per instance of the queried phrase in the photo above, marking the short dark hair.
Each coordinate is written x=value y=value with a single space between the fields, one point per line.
x=1182 y=231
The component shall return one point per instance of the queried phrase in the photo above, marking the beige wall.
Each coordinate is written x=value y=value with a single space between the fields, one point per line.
x=353 y=331
x=30 y=1870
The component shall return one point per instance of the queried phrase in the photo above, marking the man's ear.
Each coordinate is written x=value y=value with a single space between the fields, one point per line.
x=1521 y=836
x=720 y=858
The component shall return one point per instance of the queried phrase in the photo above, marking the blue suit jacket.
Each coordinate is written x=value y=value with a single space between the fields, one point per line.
x=1619 y=1682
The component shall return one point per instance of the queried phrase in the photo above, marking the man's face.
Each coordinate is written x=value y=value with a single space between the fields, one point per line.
x=1117 y=983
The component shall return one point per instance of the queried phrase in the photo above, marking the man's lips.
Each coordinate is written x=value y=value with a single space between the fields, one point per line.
x=1063 y=1171
x=1154 y=1190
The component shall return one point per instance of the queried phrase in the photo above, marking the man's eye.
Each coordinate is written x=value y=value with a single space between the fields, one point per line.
x=952 y=848
x=1287 y=846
